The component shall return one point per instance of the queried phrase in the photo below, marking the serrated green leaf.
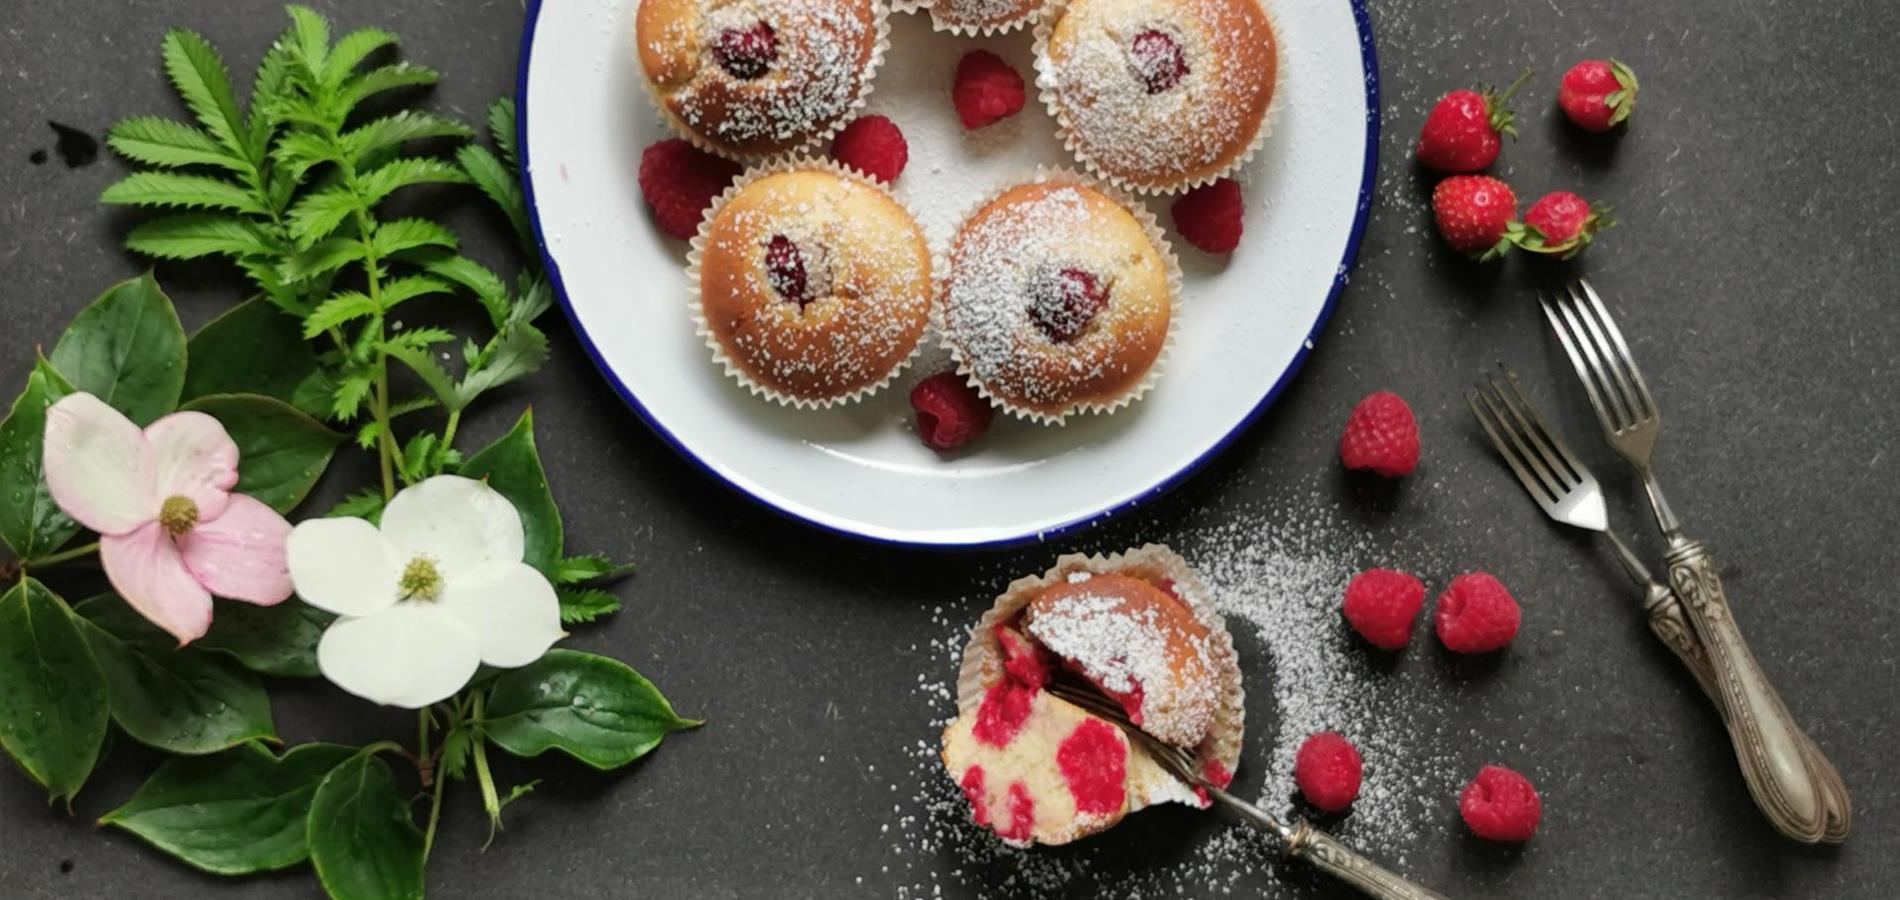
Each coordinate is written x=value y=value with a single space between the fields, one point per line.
x=300 y=151
x=411 y=171
x=176 y=190
x=589 y=567
x=364 y=843
x=409 y=287
x=351 y=389
x=320 y=213
x=310 y=39
x=281 y=451
x=417 y=458
x=512 y=466
x=196 y=235
x=204 y=84
x=233 y=813
x=420 y=339
x=127 y=349
x=269 y=85
x=273 y=640
x=386 y=78
x=171 y=697
x=30 y=522
x=323 y=258
x=350 y=51
x=581 y=605
x=453 y=760
x=479 y=279
x=516 y=352
x=430 y=371
x=254 y=347
x=497 y=180
x=341 y=307
x=398 y=129
x=596 y=709
x=408 y=234
x=364 y=504
x=158 y=141
x=53 y=706
x=501 y=129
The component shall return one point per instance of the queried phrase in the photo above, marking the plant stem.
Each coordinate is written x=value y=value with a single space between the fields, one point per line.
x=55 y=559
x=435 y=817
x=491 y=802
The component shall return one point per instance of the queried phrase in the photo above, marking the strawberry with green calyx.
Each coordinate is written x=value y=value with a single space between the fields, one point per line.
x=1597 y=94
x=1475 y=215
x=1559 y=224
x=1463 y=131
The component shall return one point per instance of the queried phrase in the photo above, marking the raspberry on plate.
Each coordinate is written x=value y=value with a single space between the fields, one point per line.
x=1380 y=435
x=1500 y=805
x=1209 y=216
x=987 y=89
x=950 y=413
x=1476 y=614
x=1327 y=770
x=1381 y=604
x=679 y=181
x=872 y=145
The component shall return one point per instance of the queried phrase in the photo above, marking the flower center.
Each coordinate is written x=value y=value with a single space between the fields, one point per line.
x=177 y=515
x=421 y=580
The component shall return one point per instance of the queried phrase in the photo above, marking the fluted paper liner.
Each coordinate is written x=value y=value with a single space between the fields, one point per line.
x=983 y=658
x=965 y=29
x=880 y=19
x=940 y=267
x=1046 y=91
x=696 y=252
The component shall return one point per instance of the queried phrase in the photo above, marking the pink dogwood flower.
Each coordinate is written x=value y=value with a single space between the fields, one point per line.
x=171 y=532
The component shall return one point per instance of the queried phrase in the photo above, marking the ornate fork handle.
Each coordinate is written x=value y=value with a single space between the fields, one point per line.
x=1340 y=861
x=1792 y=782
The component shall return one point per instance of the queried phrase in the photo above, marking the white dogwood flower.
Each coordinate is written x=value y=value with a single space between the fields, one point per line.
x=433 y=592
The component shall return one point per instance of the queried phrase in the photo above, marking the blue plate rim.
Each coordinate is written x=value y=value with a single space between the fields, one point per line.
x=1369 y=60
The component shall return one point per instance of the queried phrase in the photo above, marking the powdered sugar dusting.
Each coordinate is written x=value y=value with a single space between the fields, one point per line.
x=1125 y=650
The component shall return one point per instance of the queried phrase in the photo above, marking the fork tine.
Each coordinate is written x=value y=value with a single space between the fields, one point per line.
x=1563 y=318
x=1619 y=382
x=1641 y=393
x=1495 y=403
x=1538 y=490
x=1542 y=429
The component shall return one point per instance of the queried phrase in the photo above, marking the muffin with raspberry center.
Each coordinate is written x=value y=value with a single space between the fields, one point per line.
x=753 y=80
x=1139 y=628
x=1159 y=95
x=1058 y=298
x=813 y=284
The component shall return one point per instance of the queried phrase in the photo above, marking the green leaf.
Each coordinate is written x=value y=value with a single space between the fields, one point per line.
x=30 y=522
x=479 y=279
x=410 y=171
x=178 y=190
x=516 y=353
x=300 y=151
x=320 y=213
x=310 y=38
x=349 y=393
x=127 y=349
x=205 y=85
x=158 y=141
x=421 y=339
x=453 y=760
x=231 y=813
x=364 y=504
x=363 y=841
x=501 y=129
x=512 y=466
x=171 y=697
x=53 y=706
x=350 y=52
x=197 y=235
x=281 y=451
x=497 y=180
x=386 y=78
x=270 y=84
x=274 y=640
x=400 y=128
x=344 y=306
x=580 y=605
x=323 y=258
x=577 y=569
x=254 y=347
x=409 y=287
x=597 y=710
x=431 y=373
x=408 y=234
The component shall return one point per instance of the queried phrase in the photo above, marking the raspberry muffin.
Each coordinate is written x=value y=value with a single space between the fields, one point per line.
x=754 y=80
x=1141 y=628
x=1158 y=95
x=812 y=284
x=1057 y=297
x=981 y=16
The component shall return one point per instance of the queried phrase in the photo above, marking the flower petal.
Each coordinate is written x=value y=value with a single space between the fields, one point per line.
x=410 y=655
x=458 y=522
x=511 y=607
x=240 y=554
x=342 y=565
x=144 y=567
x=195 y=458
x=99 y=466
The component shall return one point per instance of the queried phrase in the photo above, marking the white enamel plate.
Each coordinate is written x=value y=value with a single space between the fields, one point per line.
x=1246 y=321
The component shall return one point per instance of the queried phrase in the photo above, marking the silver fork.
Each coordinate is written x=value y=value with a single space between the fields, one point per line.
x=1792 y=782
x=1300 y=838
x=1568 y=493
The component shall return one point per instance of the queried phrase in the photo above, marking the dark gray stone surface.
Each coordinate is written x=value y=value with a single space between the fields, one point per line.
x=1754 y=263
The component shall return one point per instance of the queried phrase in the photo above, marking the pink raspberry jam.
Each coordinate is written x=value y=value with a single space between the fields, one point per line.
x=1004 y=710
x=972 y=785
x=1022 y=814
x=1094 y=762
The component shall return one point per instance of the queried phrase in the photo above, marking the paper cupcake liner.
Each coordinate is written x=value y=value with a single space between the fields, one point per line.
x=963 y=29
x=982 y=663
x=939 y=316
x=867 y=81
x=696 y=252
x=1046 y=91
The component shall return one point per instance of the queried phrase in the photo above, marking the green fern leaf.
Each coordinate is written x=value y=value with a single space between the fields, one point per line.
x=581 y=605
x=158 y=141
x=350 y=52
x=310 y=39
x=420 y=339
x=197 y=235
x=177 y=190
x=515 y=353
x=395 y=130
x=324 y=257
x=351 y=390
x=501 y=129
x=431 y=373
x=498 y=181
x=377 y=185
x=320 y=213
x=202 y=81
x=385 y=78
x=344 y=306
x=395 y=237
x=409 y=287
x=269 y=86
x=300 y=151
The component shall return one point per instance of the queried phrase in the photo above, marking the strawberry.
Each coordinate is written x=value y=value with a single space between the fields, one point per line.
x=1561 y=224
x=1474 y=214
x=1461 y=133
x=1597 y=94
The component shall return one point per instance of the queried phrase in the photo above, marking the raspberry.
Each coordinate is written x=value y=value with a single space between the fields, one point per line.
x=1500 y=805
x=987 y=89
x=1476 y=614
x=785 y=270
x=1328 y=769
x=1209 y=216
x=1381 y=604
x=950 y=413
x=1159 y=61
x=746 y=53
x=679 y=181
x=874 y=146
x=1064 y=301
x=1380 y=435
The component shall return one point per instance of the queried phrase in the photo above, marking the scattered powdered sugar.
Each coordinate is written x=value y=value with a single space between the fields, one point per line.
x=982 y=13
x=1277 y=575
x=1122 y=650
